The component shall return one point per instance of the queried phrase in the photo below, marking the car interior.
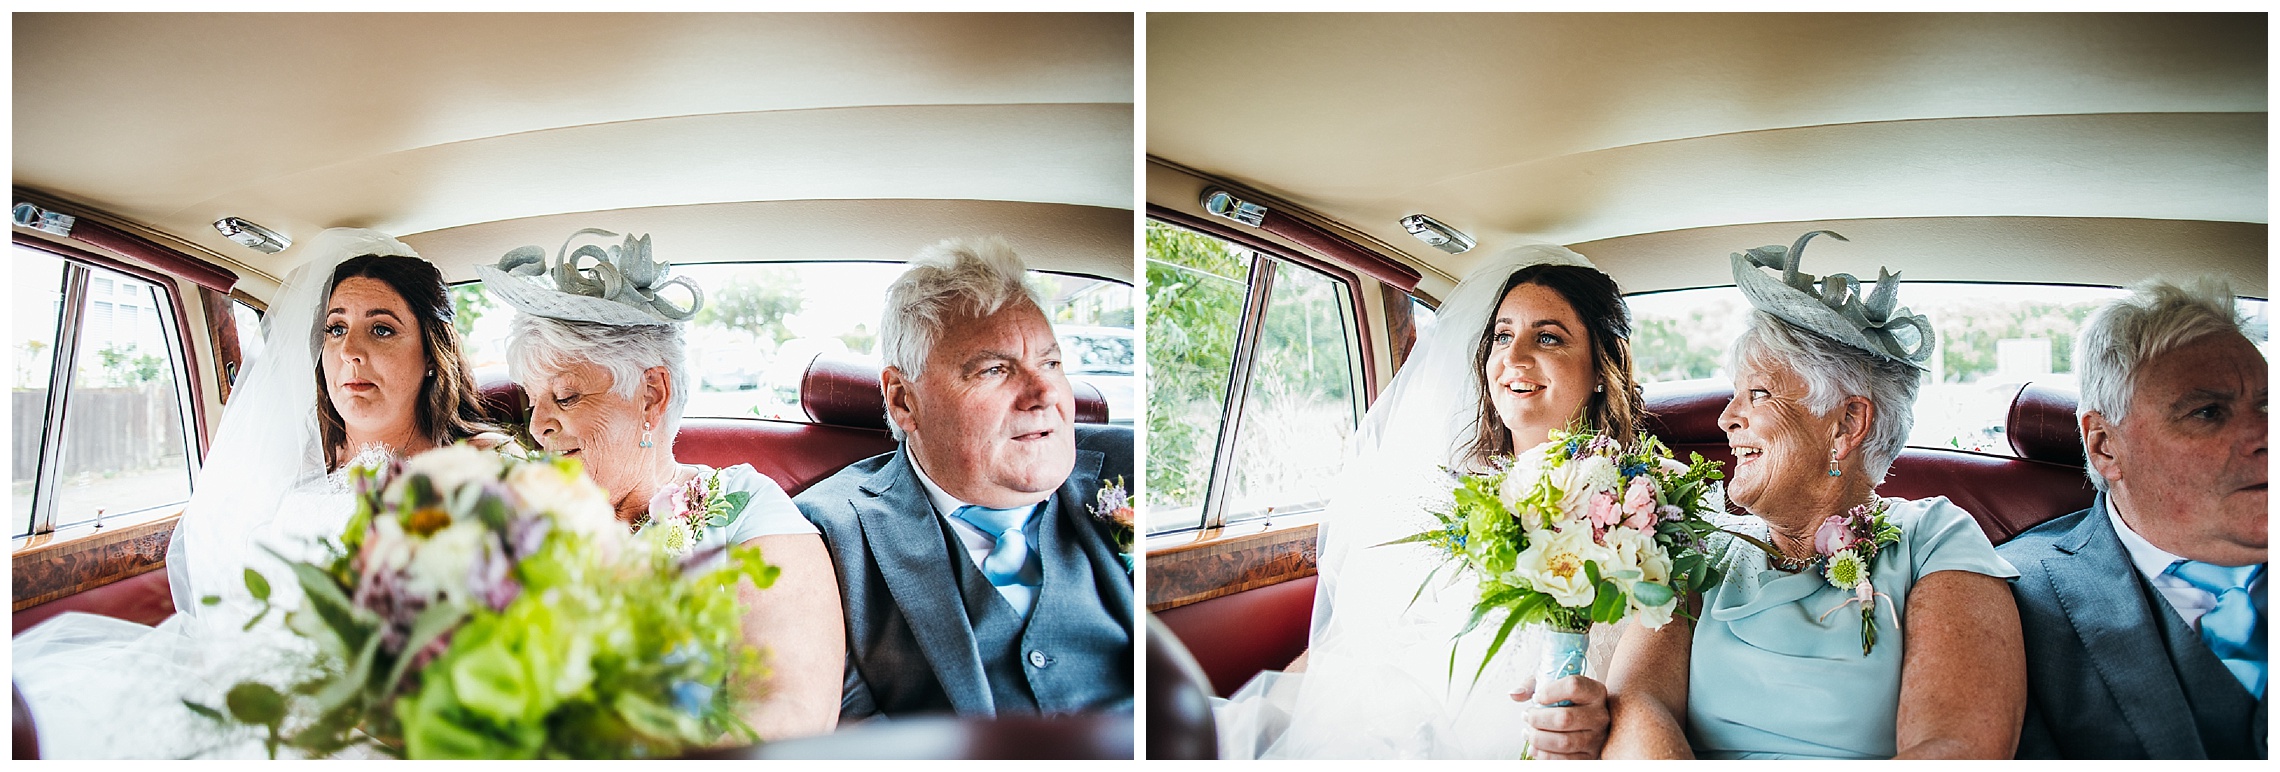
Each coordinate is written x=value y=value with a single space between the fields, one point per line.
x=726 y=138
x=2025 y=153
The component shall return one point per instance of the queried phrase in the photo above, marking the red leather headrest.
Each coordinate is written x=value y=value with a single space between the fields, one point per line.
x=844 y=391
x=502 y=397
x=1686 y=412
x=2042 y=427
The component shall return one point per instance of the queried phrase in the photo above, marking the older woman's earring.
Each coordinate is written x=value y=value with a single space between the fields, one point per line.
x=1833 y=462
x=1599 y=388
x=645 y=436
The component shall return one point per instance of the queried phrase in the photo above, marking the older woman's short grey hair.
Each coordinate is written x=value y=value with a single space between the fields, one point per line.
x=2157 y=316
x=952 y=279
x=538 y=345
x=1833 y=371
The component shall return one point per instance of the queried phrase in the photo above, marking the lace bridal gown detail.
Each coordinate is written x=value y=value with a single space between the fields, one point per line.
x=1377 y=682
x=104 y=688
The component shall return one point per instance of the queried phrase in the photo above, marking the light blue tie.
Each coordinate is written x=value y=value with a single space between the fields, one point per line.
x=1010 y=562
x=2233 y=629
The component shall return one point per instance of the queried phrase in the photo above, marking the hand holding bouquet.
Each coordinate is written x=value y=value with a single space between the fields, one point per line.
x=479 y=606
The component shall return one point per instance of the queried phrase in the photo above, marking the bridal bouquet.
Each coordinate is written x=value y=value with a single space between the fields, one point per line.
x=1577 y=531
x=480 y=606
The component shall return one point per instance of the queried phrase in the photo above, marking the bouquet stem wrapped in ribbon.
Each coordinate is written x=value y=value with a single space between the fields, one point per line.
x=1575 y=532
x=479 y=606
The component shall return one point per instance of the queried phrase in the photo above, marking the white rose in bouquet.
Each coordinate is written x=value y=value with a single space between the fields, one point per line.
x=1553 y=564
x=573 y=498
x=1636 y=551
x=448 y=468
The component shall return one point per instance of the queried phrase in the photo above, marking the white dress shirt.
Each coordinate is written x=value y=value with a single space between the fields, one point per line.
x=978 y=542
x=2152 y=562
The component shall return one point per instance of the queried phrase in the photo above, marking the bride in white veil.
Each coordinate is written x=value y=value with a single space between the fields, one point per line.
x=1378 y=677
x=102 y=687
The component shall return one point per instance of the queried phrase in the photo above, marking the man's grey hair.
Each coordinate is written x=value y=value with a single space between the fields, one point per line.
x=953 y=279
x=2156 y=317
x=1833 y=371
x=539 y=345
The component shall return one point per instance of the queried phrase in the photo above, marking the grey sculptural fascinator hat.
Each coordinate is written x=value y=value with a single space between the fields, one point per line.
x=621 y=287
x=1833 y=306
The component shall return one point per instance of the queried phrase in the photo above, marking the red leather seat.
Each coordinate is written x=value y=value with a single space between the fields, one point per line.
x=143 y=598
x=1233 y=637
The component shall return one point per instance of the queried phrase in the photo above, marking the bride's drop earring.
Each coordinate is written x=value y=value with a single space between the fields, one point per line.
x=1833 y=462
x=1599 y=388
x=647 y=444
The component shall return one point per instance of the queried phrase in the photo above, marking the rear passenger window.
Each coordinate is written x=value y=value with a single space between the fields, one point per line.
x=99 y=396
x=1992 y=339
x=762 y=323
x=1275 y=450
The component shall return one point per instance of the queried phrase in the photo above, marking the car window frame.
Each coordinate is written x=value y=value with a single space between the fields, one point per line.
x=175 y=330
x=1362 y=364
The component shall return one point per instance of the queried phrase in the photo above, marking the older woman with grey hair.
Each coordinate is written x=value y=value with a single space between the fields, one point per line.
x=1847 y=625
x=607 y=379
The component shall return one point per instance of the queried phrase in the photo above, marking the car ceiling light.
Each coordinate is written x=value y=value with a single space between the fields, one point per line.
x=1433 y=232
x=35 y=218
x=1225 y=204
x=252 y=236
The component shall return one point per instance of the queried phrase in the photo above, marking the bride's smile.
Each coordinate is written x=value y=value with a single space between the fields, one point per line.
x=1539 y=361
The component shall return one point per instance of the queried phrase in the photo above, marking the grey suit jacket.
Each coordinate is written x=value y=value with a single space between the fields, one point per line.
x=920 y=621
x=2112 y=671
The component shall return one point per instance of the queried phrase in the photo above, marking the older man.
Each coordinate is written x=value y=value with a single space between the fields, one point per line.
x=975 y=577
x=2145 y=614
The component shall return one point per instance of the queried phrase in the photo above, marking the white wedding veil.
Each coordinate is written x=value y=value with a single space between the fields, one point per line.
x=100 y=687
x=1377 y=682
x=268 y=441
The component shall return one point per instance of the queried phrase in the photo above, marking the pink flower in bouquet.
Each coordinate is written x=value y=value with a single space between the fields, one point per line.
x=1836 y=535
x=672 y=501
x=1639 y=504
x=1604 y=512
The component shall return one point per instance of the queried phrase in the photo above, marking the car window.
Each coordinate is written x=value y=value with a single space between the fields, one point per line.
x=98 y=429
x=1299 y=392
x=762 y=323
x=1991 y=339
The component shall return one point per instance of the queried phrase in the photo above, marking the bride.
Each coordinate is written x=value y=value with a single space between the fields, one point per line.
x=367 y=322
x=1533 y=340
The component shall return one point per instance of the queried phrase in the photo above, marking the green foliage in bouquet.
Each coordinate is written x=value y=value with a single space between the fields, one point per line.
x=1575 y=532
x=483 y=607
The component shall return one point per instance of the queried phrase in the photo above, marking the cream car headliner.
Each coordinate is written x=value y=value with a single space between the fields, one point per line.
x=727 y=137
x=2088 y=148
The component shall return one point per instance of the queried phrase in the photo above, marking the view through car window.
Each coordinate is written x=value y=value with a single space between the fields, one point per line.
x=762 y=323
x=1991 y=339
x=118 y=444
x=1301 y=399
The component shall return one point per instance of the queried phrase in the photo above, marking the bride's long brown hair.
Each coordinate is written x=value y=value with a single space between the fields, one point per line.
x=449 y=408
x=1619 y=410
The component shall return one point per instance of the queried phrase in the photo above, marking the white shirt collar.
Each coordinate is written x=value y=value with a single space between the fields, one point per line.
x=2150 y=560
x=945 y=504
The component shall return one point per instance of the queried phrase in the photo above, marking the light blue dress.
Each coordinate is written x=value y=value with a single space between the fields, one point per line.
x=1772 y=677
x=769 y=513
